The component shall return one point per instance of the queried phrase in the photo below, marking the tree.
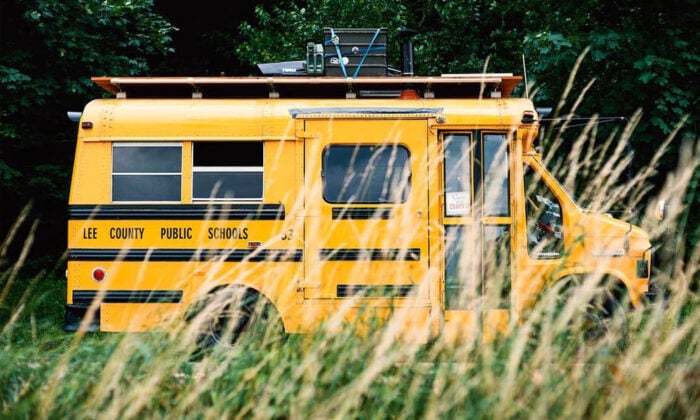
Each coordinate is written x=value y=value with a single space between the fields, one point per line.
x=640 y=58
x=281 y=33
x=49 y=52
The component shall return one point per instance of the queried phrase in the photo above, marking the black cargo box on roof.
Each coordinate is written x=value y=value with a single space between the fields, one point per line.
x=358 y=51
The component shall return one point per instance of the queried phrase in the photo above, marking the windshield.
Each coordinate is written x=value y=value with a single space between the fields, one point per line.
x=543 y=213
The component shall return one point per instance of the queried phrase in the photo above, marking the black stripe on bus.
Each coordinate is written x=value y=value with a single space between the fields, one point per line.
x=85 y=297
x=362 y=213
x=378 y=254
x=383 y=290
x=226 y=255
x=178 y=212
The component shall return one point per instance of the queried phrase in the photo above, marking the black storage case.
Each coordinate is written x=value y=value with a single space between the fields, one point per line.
x=353 y=43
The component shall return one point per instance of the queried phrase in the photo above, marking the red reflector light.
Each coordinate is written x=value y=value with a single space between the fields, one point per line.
x=86 y=124
x=98 y=274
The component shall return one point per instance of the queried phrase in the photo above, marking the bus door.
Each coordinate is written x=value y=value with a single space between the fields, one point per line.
x=477 y=234
x=366 y=200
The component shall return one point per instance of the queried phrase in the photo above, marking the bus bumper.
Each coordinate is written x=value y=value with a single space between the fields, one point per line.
x=75 y=315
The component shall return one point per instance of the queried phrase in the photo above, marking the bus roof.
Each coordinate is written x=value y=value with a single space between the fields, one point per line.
x=499 y=85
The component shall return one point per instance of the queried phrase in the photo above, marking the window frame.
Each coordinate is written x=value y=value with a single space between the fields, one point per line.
x=152 y=144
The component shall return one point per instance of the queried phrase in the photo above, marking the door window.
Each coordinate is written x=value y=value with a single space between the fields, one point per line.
x=368 y=174
x=496 y=192
x=458 y=199
x=460 y=286
x=496 y=265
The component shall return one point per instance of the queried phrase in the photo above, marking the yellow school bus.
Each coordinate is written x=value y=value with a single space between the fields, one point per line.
x=420 y=196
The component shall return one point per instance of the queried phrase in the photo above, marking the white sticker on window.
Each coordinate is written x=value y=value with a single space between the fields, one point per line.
x=457 y=204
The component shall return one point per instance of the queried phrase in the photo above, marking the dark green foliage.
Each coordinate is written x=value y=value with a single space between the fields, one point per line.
x=281 y=32
x=49 y=51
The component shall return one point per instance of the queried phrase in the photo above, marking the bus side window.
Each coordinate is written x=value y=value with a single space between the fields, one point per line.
x=146 y=172
x=545 y=238
x=366 y=174
x=227 y=171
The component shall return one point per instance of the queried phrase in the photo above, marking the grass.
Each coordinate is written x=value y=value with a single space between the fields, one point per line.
x=47 y=373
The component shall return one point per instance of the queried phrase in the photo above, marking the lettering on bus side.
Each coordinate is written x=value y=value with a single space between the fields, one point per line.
x=126 y=232
x=90 y=233
x=176 y=233
x=116 y=232
x=228 y=233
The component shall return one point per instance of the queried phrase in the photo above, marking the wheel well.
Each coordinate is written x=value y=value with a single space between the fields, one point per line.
x=617 y=288
x=250 y=296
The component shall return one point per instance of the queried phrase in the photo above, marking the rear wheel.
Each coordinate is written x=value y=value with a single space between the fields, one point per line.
x=234 y=316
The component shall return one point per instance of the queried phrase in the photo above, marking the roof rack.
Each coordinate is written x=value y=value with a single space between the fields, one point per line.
x=498 y=85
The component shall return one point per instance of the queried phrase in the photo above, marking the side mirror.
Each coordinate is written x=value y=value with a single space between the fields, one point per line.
x=661 y=209
x=74 y=115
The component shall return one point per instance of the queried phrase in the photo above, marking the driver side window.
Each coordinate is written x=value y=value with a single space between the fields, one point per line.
x=545 y=236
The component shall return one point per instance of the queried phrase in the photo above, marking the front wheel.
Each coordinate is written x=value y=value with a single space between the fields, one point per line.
x=604 y=316
x=598 y=315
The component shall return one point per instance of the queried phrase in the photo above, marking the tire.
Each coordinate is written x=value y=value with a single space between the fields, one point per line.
x=602 y=318
x=236 y=316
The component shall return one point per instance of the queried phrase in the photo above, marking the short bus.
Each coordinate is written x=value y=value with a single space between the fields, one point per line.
x=327 y=195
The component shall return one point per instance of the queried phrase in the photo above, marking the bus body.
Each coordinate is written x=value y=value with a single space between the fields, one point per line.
x=326 y=197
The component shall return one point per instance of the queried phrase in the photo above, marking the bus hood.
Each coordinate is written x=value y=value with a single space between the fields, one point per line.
x=605 y=236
